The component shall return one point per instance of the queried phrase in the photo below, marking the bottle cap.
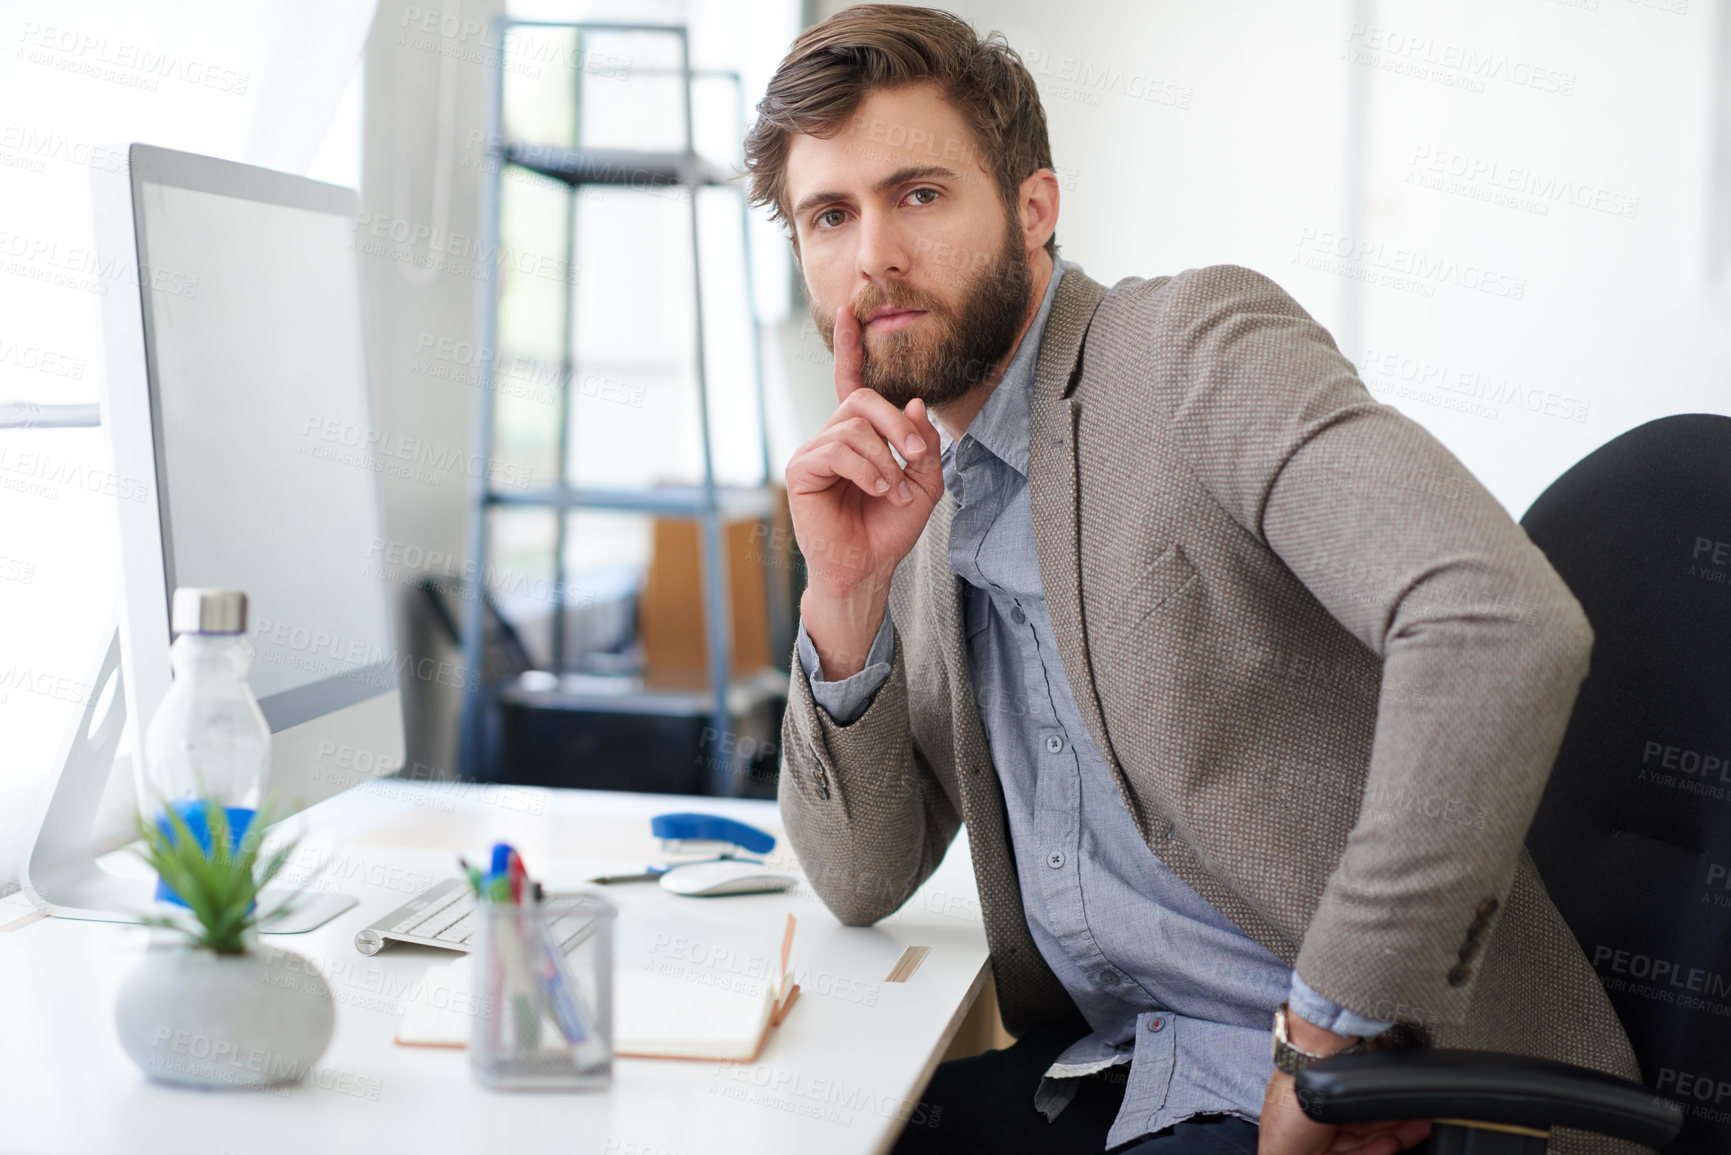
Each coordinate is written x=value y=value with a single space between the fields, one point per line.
x=208 y=611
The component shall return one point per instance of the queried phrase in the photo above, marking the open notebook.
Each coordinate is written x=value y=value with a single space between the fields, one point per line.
x=687 y=991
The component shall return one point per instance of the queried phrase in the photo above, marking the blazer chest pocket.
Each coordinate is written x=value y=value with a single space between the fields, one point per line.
x=1166 y=576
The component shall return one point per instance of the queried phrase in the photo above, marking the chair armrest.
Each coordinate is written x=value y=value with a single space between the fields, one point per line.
x=1484 y=1086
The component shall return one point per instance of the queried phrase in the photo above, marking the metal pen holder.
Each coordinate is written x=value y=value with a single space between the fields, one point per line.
x=546 y=969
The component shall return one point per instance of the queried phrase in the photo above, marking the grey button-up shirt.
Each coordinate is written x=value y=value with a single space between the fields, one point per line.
x=1171 y=987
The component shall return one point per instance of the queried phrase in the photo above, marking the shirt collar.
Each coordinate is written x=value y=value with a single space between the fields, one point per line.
x=1001 y=426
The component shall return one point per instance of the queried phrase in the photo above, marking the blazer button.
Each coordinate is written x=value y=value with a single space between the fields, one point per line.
x=1471 y=948
x=1459 y=974
x=1487 y=908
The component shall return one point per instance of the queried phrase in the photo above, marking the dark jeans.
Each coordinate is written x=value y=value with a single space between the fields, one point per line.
x=984 y=1105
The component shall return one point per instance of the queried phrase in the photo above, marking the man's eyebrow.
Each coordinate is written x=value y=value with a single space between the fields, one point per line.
x=900 y=176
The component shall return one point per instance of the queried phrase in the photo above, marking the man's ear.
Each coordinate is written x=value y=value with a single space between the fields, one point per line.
x=1037 y=201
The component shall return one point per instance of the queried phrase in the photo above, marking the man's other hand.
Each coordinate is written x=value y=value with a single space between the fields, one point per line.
x=1286 y=1130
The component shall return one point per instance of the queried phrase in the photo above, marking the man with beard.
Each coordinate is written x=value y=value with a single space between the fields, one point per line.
x=1246 y=690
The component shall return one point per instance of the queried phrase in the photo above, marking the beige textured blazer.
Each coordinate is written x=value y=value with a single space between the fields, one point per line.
x=1327 y=670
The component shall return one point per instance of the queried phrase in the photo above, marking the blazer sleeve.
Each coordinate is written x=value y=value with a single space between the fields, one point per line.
x=865 y=814
x=1409 y=552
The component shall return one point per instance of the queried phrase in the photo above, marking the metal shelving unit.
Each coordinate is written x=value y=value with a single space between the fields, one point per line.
x=707 y=503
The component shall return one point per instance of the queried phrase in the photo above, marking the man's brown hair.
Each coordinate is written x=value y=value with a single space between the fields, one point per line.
x=833 y=66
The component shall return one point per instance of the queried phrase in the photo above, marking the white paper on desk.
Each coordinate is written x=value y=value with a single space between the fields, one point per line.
x=671 y=1016
x=701 y=991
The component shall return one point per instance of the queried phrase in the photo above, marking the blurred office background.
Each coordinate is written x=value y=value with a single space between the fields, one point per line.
x=1515 y=217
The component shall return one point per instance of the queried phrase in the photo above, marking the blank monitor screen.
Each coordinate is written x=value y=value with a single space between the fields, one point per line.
x=262 y=426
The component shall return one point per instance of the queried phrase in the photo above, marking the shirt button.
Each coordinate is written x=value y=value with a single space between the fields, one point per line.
x=1017 y=616
x=1055 y=859
x=1109 y=978
x=1156 y=1024
x=1054 y=743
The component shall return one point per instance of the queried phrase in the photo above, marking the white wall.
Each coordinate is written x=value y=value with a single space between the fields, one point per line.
x=1535 y=329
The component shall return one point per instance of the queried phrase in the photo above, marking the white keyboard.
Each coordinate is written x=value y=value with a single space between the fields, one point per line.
x=443 y=916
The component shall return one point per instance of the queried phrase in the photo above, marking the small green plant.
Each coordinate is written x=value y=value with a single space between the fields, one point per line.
x=220 y=889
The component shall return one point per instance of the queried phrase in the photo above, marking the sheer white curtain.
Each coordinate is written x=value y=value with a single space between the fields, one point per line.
x=269 y=82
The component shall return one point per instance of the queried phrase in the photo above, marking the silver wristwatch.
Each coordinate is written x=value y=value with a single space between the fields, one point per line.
x=1289 y=1058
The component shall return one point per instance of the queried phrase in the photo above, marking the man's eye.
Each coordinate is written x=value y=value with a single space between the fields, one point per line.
x=825 y=221
x=930 y=193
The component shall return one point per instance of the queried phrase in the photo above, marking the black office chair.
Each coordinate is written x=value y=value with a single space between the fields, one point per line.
x=1633 y=835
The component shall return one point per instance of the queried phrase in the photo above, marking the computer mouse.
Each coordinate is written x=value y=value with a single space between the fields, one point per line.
x=726 y=876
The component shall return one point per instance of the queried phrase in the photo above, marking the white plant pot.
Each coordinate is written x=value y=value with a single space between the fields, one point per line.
x=192 y=1016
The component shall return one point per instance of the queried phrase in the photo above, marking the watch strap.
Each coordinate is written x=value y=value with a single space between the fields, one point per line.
x=1291 y=1059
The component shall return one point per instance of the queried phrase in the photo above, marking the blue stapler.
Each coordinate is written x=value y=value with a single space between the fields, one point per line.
x=724 y=873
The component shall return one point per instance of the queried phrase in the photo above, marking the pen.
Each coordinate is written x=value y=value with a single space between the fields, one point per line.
x=504 y=885
x=473 y=875
x=498 y=888
x=516 y=876
x=649 y=875
x=570 y=1013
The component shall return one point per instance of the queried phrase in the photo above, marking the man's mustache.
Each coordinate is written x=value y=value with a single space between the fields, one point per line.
x=873 y=300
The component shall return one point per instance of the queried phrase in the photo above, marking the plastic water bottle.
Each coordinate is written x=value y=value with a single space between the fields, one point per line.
x=209 y=739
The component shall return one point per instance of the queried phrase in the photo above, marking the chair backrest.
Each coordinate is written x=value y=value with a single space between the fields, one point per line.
x=1633 y=835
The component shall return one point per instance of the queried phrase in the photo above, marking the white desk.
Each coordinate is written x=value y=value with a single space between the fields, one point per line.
x=838 y=1076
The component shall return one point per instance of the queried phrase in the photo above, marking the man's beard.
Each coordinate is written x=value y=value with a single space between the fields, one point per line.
x=952 y=349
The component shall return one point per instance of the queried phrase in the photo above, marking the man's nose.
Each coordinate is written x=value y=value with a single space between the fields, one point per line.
x=883 y=248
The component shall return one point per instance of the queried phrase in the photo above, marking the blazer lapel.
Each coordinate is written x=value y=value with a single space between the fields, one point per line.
x=967 y=732
x=1052 y=490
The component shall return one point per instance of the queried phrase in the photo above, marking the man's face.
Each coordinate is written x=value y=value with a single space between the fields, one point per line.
x=897 y=216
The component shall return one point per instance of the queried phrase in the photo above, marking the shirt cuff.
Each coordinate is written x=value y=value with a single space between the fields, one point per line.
x=1329 y=1015
x=846 y=700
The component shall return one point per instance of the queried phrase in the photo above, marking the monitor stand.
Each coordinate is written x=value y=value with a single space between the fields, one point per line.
x=62 y=875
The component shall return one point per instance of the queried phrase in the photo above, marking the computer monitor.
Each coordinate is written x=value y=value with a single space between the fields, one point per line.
x=238 y=417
